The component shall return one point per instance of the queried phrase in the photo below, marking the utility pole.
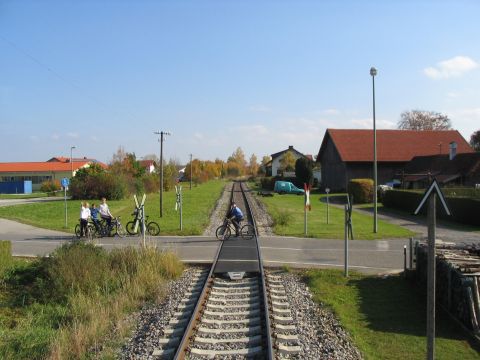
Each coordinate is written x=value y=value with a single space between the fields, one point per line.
x=162 y=134
x=191 y=171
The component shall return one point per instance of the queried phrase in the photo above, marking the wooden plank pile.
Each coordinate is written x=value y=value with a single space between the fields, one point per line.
x=458 y=280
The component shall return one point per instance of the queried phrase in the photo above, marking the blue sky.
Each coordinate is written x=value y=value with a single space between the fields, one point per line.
x=261 y=75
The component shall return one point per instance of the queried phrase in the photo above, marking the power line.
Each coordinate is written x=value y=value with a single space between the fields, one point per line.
x=61 y=77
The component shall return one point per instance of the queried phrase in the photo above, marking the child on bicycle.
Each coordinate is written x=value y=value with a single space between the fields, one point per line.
x=236 y=216
x=94 y=216
x=84 y=215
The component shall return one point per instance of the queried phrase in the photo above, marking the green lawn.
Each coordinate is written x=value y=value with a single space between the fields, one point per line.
x=289 y=211
x=197 y=206
x=23 y=196
x=386 y=316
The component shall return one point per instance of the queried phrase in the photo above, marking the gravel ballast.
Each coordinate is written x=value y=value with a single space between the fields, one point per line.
x=321 y=335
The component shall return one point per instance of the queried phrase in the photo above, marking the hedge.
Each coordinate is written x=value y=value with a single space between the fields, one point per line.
x=361 y=190
x=464 y=210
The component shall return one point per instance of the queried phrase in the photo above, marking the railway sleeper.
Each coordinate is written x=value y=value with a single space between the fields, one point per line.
x=237 y=299
x=243 y=330
x=249 y=321
x=234 y=289
x=210 y=353
x=249 y=340
x=238 y=314
x=240 y=293
x=252 y=305
x=289 y=350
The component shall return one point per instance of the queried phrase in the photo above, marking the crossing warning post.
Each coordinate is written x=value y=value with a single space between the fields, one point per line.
x=431 y=194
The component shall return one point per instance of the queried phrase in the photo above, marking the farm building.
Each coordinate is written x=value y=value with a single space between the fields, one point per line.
x=348 y=153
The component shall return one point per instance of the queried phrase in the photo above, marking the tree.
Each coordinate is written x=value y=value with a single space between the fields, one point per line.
x=287 y=162
x=423 y=120
x=304 y=170
x=475 y=140
x=253 y=165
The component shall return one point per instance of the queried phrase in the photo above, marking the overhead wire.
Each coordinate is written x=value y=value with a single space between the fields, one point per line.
x=62 y=78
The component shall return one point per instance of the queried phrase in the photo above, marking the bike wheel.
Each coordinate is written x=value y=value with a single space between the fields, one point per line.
x=153 y=228
x=130 y=227
x=77 y=231
x=223 y=232
x=247 y=231
x=90 y=231
x=120 y=230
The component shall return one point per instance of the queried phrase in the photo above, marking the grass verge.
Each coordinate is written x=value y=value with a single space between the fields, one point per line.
x=69 y=305
x=197 y=206
x=287 y=211
x=386 y=316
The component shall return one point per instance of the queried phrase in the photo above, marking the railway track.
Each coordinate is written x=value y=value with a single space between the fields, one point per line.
x=226 y=311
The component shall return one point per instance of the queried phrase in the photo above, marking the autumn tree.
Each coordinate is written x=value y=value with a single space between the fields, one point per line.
x=287 y=162
x=423 y=120
x=236 y=163
x=475 y=140
x=253 y=165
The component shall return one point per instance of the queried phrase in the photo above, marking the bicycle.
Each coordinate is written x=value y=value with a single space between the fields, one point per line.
x=152 y=227
x=90 y=231
x=116 y=228
x=224 y=231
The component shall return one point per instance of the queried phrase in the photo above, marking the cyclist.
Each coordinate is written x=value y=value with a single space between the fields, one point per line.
x=84 y=215
x=105 y=213
x=236 y=216
x=94 y=216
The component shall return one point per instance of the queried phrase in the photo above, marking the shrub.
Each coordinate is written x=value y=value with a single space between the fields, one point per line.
x=268 y=182
x=283 y=217
x=50 y=186
x=361 y=190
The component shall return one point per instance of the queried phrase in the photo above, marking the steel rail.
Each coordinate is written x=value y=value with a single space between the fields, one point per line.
x=266 y=310
x=201 y=302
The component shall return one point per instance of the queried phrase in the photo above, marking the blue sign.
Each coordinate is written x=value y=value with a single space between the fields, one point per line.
x=65 y=182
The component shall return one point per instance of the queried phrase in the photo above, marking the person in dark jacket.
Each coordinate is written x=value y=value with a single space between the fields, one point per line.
x=236 y=215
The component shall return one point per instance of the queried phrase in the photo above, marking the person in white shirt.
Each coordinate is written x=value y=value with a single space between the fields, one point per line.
x=105 y=212
x=84 y=215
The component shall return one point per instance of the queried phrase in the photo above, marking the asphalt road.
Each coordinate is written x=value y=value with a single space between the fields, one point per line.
x=366 y=256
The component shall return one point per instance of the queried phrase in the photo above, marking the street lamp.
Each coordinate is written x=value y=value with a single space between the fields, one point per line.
x=71 y=163
x=373 y=73
x=161 y=133
x=191 y=171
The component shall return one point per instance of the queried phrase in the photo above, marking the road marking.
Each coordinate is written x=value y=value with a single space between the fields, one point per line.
x=327 y=264
x=323 y=249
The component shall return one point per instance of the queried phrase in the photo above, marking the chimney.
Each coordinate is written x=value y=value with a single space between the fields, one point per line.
x=290 y=147
x=453 y=150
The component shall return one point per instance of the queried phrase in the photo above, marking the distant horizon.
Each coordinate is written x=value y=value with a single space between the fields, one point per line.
x=220 y=75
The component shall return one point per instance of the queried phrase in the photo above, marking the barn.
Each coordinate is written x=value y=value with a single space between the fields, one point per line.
x=347 y=154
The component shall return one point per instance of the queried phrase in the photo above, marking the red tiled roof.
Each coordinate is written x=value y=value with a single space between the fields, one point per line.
x=393 y=145
x=146 y=163
x=43 y=166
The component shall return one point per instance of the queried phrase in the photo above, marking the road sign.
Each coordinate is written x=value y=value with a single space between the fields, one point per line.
x=431 y=195
x=434 y=188
x=65 y=182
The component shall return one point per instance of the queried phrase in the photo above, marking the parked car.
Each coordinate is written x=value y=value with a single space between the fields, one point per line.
x=286 y=187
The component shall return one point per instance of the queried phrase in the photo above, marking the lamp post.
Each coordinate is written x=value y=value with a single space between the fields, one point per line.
x=71 y=162
x=162 y=134
x=191 y=171
x=373 y=73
